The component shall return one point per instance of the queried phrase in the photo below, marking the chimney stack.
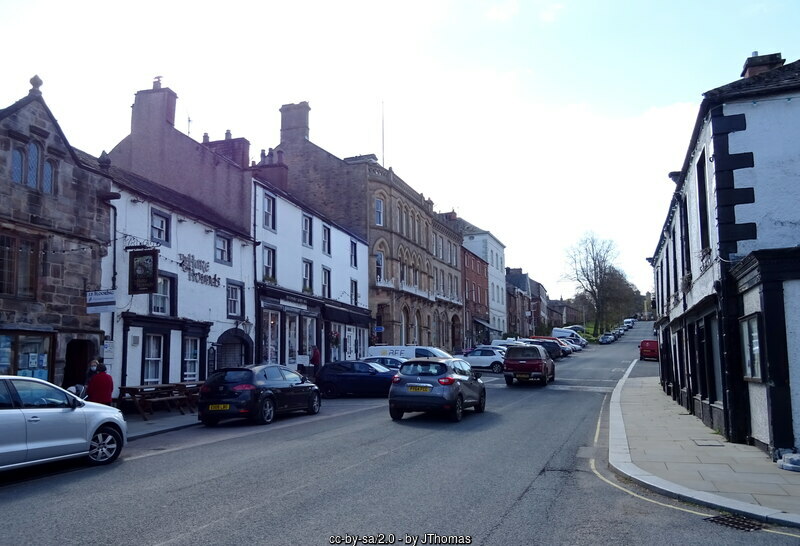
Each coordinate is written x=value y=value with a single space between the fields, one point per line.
x=758 y=64
x=294 y=121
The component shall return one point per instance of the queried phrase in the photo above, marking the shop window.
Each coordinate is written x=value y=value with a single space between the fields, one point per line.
x=25 y=355
x=751 y=347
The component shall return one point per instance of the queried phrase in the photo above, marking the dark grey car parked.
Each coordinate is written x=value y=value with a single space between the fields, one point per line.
x=436 y=384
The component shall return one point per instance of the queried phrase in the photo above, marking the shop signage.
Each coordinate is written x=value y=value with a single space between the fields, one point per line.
x=197 y=270
x=143 y=272
x=100 y=301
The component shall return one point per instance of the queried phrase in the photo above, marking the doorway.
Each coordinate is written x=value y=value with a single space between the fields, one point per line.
x=76 y=363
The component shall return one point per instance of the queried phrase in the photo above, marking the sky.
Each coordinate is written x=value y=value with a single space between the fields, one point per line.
x=540 y=121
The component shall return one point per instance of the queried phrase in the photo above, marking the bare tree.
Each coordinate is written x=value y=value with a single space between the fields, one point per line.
x=590 y=263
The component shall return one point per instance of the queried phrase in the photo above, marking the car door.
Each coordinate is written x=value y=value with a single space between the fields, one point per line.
x=278 y=386
x=13 y=445
x=468 y=383
x=298 y=389
x=53 y=427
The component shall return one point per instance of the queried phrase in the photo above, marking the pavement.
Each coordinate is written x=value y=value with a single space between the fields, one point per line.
x=656 y=443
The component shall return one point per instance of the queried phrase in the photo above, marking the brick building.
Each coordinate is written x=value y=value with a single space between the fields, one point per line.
x=477 y=329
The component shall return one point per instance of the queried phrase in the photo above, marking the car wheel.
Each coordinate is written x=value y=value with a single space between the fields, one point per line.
x=210 y=421
x=105 y=446
x=543 y=381
x=329 y=390
x=395 y=414
x=313 y=404
x=266 y=411
x=497 y=367
x=509 y=381
x=481 y=405
x=457 y=412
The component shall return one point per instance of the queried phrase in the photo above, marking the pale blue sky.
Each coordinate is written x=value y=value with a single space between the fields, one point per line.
x=537 y=120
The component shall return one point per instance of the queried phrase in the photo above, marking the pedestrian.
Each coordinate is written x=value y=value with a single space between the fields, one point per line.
x=315 y=358
x=100 y=387
x=91 y=371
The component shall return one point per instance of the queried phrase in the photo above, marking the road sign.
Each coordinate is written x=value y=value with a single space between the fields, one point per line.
x=101 y=301
x=378 y=329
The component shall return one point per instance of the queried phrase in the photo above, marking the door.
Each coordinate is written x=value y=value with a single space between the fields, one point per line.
x=13 y=446
x=292 y=340
x=350 y=343
x=53 y=427
x=297 y=389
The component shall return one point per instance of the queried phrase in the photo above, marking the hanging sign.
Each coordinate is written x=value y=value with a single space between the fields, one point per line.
x=143 y=272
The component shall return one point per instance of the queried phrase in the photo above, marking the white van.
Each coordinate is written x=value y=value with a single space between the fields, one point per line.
x=572 y=335
x=506 y=342
x=628 y=322
x=407 y=351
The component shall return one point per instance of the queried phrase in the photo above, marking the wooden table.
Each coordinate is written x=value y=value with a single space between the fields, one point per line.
x=192 y=391
x=144 y=396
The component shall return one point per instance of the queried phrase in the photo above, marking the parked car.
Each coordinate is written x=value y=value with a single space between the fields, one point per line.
x=551 y=346
x=354 y=377
x=531 y=363
x=258 y=393
x=391 y=362
x=436 y=384
x=42 y=423
x=607 y=338
x=407 y=351
x=648 y=348
x=484 y=357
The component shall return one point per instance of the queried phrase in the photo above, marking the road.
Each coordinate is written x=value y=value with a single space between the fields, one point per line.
x=530 y=470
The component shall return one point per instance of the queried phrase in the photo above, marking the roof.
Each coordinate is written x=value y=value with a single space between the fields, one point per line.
x=778 y=80
x=162 y=194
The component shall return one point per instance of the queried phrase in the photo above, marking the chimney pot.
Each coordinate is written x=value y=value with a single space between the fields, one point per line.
x=228 y=134
x=280 y=157
x=206 y=140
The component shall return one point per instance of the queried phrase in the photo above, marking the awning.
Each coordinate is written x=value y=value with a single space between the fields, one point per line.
x=482 y=322
x=345 y=316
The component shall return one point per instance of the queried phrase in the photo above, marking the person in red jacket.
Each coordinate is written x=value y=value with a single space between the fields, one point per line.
x=100 y=387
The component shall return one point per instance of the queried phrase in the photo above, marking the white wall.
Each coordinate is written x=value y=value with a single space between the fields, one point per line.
x=773 y=130
x=486 y=245
x=791 y=295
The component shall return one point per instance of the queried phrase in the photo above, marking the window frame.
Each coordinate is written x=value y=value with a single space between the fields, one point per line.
x=307 y=227
x=353 y=254
x=308 y=276
x=353 y=292
x=238 y=286
x=167 y=218
x=379 y=216
x=171 y=281
x=267 y=277
x=379 y=265
x=14 y=272
x=269 y=215
x=220 y=253
x=752 y=355
x=326 y=239
x=326 y=282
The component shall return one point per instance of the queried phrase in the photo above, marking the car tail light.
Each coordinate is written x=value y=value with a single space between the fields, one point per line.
x=245 y=387
x=205 y=388
x=447 y=380
x=396 y=379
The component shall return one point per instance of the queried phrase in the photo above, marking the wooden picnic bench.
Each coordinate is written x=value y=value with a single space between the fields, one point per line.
x=145 y=396
x=192 y=391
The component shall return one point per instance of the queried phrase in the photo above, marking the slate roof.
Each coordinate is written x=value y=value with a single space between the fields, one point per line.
x=778 y=80
x=162 y=194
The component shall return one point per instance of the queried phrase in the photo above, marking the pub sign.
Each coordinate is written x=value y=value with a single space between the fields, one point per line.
x=143 y=272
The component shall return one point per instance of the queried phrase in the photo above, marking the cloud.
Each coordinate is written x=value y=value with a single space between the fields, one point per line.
x=503 y=11
x=550 y=13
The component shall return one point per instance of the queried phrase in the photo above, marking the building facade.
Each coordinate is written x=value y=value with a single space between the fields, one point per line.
x=477 y=329
x=414 y=271
x=54 y=220
x=724 y=266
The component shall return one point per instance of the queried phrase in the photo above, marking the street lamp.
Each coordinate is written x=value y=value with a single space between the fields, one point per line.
x=245 y=325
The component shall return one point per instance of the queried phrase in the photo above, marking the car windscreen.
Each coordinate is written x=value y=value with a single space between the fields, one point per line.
x=379 y=367
x=422 y=368
x=522 y=352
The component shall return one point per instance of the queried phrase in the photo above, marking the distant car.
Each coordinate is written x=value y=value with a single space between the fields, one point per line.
x=255 y=392
x=42 y=423
x=436 y=384
x=551 y=346
x=531 y=363
x=486 y=358
x=391 y=362
x=354 y=377
x=607 y=338
x=648 y=348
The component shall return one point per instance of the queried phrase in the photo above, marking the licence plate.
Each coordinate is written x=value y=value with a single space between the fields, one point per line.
x=523 y=375
x=419 y=389
x=218 y=407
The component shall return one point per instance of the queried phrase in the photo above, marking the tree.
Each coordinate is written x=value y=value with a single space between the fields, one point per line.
x=590 y=263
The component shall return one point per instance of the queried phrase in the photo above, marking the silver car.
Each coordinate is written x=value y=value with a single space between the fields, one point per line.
x=431 y=384
x=41 y=423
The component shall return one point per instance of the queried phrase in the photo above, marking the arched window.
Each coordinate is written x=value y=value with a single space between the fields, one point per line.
x=32 y=180
x=379 y=266
x=17 y=161
x=48 y=177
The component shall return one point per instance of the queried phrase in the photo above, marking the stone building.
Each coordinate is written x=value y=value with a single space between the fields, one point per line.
x=414 y=268
x=54 y=226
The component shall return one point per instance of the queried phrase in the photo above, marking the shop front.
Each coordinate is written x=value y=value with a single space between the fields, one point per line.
x=289 y=327
x=346 y=332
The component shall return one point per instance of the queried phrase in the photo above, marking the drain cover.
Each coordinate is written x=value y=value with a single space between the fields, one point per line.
x=737 y=522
